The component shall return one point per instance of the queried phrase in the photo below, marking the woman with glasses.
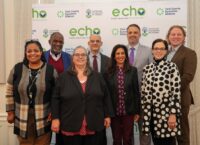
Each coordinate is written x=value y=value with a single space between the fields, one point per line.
x=81 y=105
x=28 y=96
x=160 y=97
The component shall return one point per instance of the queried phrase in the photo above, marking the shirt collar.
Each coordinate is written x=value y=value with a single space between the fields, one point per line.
x=54 y=56
x=136 y=46
x=176 y=48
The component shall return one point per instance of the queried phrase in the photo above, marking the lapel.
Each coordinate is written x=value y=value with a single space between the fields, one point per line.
x=138 y=55
x=178 y=54
x=77 y=84
x=102 y=63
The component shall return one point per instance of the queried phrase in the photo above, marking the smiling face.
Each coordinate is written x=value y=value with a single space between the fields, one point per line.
x=33 y=53
x=133 y=35
x=159 y=51
x=176 y=37
x=79 y=57
x=120 y=57
x=56 y=41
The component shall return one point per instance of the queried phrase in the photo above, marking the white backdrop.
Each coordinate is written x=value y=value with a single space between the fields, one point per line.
x=76 y=21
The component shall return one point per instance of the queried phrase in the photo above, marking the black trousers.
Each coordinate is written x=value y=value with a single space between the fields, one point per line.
x=59 y=139
x=96 y=139
x=164 y=141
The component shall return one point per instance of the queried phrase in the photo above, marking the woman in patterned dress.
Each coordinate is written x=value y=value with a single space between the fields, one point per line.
x=160 y=97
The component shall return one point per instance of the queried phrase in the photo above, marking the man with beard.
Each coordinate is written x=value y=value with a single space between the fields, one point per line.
x=59 y=59
x=139 y=56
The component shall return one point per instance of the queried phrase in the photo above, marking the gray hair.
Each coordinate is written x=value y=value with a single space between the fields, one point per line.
x=88 y=69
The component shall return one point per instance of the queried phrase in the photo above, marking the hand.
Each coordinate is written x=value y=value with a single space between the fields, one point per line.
x=136 y=118
x=10 y=117
x=55 y=125
x=172 y=121
x=107 y=122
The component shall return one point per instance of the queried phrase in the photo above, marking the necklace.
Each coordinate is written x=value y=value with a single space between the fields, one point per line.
x=33 y=75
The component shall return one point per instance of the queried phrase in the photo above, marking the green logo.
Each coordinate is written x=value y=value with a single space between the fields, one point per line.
x=160 y=11
x=60 y=14
x=39 y=13
x=130 y=11
x=45 y=33
x=84 y=31
x=115 y=31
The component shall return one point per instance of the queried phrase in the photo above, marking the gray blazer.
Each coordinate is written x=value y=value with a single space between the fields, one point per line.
x=142 y=58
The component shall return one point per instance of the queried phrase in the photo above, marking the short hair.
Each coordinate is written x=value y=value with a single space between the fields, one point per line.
x=134 y=25
x=56 y=33
x=160 y=40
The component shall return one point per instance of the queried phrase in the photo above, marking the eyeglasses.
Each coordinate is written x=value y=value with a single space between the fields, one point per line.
x=93 y=41
x=159 y=49
x=79 y=54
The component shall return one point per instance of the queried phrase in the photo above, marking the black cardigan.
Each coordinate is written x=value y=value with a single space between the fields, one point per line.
x=132 y=94
x=70 y=104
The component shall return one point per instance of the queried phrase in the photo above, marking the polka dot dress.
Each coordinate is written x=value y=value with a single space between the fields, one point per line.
x=160 y=97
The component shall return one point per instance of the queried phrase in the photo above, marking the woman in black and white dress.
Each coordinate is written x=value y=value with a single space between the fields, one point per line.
x=160 y=97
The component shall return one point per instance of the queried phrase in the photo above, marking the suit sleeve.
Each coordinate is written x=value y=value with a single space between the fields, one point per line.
x=137 y=92
x=189 y=69
x=108 y=109
x=55 y=102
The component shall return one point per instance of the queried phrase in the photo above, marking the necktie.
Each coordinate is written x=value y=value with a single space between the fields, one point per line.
x=95 y=65
x=131 y=57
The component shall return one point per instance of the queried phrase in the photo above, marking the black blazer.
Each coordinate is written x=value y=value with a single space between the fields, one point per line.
x=70 y=104
x=132 y=94
x=104 y=63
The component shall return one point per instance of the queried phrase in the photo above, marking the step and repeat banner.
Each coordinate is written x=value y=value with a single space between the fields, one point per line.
x=77 y=21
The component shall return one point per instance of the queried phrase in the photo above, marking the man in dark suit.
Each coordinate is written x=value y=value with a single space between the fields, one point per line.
x=100 y=65
x=142 y=56
x=186 y=61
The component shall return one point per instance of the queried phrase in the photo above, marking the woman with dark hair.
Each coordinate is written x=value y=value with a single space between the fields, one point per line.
x=81 y=104
x=122 y=82
x=160 y=97
x=28 y=96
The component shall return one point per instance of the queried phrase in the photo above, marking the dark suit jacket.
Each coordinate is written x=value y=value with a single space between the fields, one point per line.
x=132 y=94
x=104 y=63
x=70 y=104
x=186 y=61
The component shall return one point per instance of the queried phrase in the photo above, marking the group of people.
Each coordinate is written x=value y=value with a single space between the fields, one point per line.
x=81 y=95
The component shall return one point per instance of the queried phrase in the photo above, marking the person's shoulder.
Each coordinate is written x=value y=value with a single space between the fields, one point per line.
x=187 y=49
x=144 y=46
x=104 y=56
x=65 y=53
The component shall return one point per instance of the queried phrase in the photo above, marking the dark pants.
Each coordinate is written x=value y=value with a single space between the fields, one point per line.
x=184 y=138
x=164 y=141
x=161 y=141
x=122 y=130
x=59 y=139
x=95 y=139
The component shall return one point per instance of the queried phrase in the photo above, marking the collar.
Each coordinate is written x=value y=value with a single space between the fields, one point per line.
x=176 y=48
x=136 y=46
x=54 y=56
